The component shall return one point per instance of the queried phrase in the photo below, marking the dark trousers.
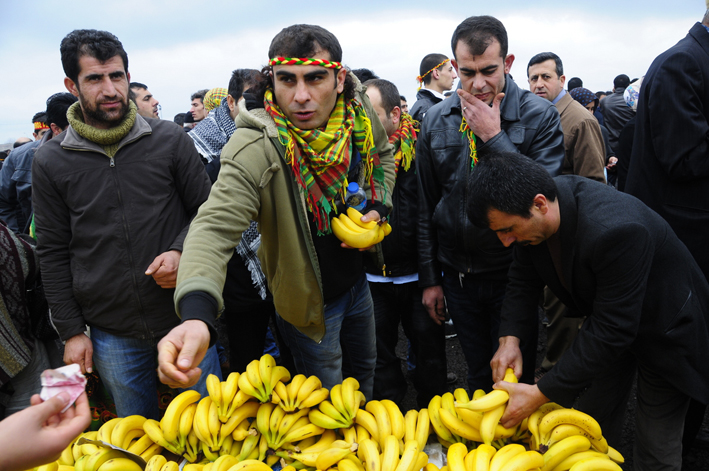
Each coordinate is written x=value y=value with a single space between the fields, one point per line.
x=659 y=419
x=394 y=303
x=474 y=306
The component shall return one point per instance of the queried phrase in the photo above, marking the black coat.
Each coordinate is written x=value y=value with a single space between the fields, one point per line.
x=634 y=280
x=669 y=167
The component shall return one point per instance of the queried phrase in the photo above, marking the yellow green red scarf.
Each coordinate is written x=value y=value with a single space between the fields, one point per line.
x=472 y=141
x=320 y=158
x=404 y=141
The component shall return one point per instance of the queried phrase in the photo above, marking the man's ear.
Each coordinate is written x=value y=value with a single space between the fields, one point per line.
x=541 y=203
x=562 y=79
x=71 y=86
x=230 y=102
x=508 y=62
x=340 y=77
x=395 y=116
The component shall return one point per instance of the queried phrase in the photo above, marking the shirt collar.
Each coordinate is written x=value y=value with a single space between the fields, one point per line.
x=706 y=27
x=436 y=94
x=559 y=96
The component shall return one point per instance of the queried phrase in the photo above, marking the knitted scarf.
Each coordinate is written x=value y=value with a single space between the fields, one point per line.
x=18 y=264
x=108 y=139
x=320 y=158
x=404 y=142
x=213 y=132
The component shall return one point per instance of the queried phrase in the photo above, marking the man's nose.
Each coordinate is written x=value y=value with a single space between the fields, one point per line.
x=302 y=94
x=506 y=239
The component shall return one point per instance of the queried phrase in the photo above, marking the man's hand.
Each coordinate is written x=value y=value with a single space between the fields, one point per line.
x=434 y=303
x=612 y=162
x=508 y=355
x=370 y=216
x=79 y=350
x=180 y=352
x=482 y=119
x=164 y=268
x=42 y=422
x=524 y=399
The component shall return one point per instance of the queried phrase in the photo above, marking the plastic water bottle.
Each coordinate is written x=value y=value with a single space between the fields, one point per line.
x=356 y=197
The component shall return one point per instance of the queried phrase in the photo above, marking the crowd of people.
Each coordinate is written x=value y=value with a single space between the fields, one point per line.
x=507 y=201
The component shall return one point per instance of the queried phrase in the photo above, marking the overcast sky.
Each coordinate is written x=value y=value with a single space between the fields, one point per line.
x=177 y=47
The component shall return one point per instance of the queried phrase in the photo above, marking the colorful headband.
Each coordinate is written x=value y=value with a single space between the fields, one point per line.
x=305 y=61
x=421 y=77
x=39 y=125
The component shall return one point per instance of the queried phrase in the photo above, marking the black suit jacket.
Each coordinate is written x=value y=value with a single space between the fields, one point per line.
x=634 y=279
x=669 y=167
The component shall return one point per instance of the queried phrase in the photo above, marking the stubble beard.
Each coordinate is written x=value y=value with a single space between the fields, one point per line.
x=95 y=115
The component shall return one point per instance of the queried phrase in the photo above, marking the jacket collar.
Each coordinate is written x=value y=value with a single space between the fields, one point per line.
x=699 y=33
x=567 y=231
x=509 y=108
x=72 y=139
x=563 y=103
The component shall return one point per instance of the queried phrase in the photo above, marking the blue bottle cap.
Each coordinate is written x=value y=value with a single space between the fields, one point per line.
x=353 y=187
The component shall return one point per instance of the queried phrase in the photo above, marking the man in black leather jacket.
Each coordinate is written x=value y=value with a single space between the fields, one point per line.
x=489 y=113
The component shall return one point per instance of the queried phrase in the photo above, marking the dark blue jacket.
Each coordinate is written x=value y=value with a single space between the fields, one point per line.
x=16 y=186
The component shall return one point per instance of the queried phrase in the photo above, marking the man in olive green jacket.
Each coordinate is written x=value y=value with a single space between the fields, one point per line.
x=309 y=130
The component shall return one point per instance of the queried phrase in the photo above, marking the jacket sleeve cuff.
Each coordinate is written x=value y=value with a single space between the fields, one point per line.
x=199 y=305
x=500 y=143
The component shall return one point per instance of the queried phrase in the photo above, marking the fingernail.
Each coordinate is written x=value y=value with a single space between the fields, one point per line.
x=64 y=397
x=89 y=370
x=185 y=363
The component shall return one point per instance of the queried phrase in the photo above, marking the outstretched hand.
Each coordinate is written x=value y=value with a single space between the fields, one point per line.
x=180 y=352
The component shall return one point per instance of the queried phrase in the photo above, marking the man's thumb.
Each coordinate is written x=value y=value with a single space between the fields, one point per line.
x=153 y=267
x=498 y=99
x=186 y=358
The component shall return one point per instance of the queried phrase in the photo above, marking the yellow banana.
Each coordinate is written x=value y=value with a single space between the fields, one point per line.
x=279 y=374
x=354 y=239
x=381 y=415
x=170 y=423
x=369 y=454
x=576 y=457
x=336 y=400
x=121 y=430
x=99 y=457
x=153 y=430
x=442 y=432
x=310 y=384
x=527 y=460
x=362 y=433
x=410 y=456
x=330 y=457
x=470 y=460
x=390 y=453
x=505 y=454
x=292 y=390
x=569 y=416
x=567 y=430
x=214 y=425
x=156 y=463
x=563 y=449
x=289 y=422
x=315 y=398
x=349 y=463
x=423 y=428
x=250 y=465
x=79 y=464
x=54 y=466
x=249 y=445
x=421 y=461
x=326 y=439
x=349 y=398
x=266 y=364
x=461 y=395
x=121 y=464
x=240 y=398
x=596 y=464
x=104 y=433
x=263 y=417
x=229 y=389
x=489 y=423
x=214 y=389
x=281 y=391
x=350 y=224
x=247 y=410
x=356 y=217
x=535 y=417
x=323 y=420
x=458 y=427
x=410 y=420
x=483 y=456
x=66 y=458
x=349 y=434
x=448 y=402
x=367 y=420
x=131 y=437
x=301 y=433
x=433 y=467
x=139 y=446
x=186 y=421
x=489 y=401
x=329 y=409
x=201 y=419
x=615 y=455
x=224 y=462
x=151 y=451
x=396 y=418
x=456 y=457
x=170 y=466
x=274 y=423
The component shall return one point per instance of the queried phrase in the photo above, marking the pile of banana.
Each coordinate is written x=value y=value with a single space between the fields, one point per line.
x=350 y=229
x=260 y=417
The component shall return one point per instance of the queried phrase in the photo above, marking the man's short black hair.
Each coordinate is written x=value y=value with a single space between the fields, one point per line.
x=477 y=32
x=242 y=79
x=390 y=94
x=100 y=45
x=40 y=117
x=364 y=74
x=429 y=62
x=303 y=41
x=57 y=106
x=402 y=98
x=199 y=94
x=139 y=85
x=574 y=82
x=546 y=56
x=507 y=182
x=621 y=81
x=179 y=119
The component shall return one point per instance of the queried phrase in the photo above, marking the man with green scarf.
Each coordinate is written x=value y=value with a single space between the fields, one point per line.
x=301 y=137
x=113 y=197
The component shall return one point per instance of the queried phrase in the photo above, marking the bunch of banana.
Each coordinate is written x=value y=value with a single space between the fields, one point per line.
x=154 y=431
x=295 y=427
x=352 y=231
x=417 y=425
x=226 y=395
x=237 y=427
x=340 y=411
x=391 y=460
x=261 y=377
x=300 y=393
x=325 y=454
x=445 y=435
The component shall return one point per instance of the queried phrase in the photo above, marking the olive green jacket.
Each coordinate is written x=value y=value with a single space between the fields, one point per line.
x=255 y=183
